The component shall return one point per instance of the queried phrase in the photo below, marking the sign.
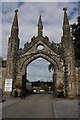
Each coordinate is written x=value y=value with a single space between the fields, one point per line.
x=8 y=85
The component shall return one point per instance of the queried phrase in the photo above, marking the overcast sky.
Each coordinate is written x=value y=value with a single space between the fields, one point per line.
x=28 y=15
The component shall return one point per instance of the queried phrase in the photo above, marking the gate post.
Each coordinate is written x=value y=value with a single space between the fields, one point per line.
x=69 y=57
x=23 y=88
x=54 y=85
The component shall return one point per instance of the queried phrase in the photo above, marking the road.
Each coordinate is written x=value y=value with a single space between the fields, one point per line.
x=34 y=106
x=40 y=106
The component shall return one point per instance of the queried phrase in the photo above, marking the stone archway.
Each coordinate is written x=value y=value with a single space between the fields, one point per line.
x=58 y=71
x=60 y=55
x=47 y=53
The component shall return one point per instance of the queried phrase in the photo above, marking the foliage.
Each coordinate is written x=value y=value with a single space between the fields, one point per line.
x=59 y=45
x=75 y=32
x=60 y=93
x=18 y=91
x=17 y=84
x=27 y=80
x=1 y=58
x=60 y=85
x=60 y=90
x=45 y=87
x=50 y=67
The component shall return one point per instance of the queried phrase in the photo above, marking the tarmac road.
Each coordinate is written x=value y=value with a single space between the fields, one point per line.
x=40 y=106
x=34 y=106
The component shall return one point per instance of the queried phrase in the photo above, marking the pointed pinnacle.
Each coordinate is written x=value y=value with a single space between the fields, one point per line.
x=40 y=20
x=15 y=22
x=65 y=9
x=40 y=27
x=16 y=10
x=66 y=22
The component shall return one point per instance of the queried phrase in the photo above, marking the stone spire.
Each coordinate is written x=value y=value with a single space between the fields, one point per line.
x=66 y=27
x=40 y=27
x=69 y=58
x=65 y=22
x=13 y=48
x=14 y=29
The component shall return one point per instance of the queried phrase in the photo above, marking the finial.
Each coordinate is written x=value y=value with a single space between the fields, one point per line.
x=15 y=21
x=66 y=27
x=40 y=15
x=65 y=9
x=40 y=26
x=40 y=19
x=16 y=10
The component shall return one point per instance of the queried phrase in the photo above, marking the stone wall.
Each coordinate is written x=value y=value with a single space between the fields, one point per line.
x=79 y=79
x=0 y=73
x=0 y=77
x=77 y=73
x=3 y=77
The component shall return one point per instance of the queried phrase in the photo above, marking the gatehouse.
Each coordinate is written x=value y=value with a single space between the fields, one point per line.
x=61 y=56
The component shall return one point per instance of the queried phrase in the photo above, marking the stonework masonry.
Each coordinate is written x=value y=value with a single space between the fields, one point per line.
x=61 y=56
x=77 y=71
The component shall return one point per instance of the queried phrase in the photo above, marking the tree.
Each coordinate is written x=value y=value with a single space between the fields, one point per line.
x=75 y=32
x=1 y=61
x=27 y=80
x=1 y=58
x=45 y=87
x=50 y=67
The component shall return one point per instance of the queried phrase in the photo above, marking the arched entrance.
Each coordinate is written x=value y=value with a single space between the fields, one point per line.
x=40 y=76
x=47 y=53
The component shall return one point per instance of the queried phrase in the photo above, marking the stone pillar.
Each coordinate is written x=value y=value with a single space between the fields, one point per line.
x=13 y=47
x=79 y=81
x=69 y=57
x=54 y=84
x=40 y=27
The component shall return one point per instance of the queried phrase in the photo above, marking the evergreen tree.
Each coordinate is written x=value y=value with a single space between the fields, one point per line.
x=75 y=32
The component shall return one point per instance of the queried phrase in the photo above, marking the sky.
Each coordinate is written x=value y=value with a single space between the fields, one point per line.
x=38 y=70
x=28 y=15
x=39 y=0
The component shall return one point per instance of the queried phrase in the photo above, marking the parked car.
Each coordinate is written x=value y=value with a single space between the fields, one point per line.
x=42 y=90
x=34 y=91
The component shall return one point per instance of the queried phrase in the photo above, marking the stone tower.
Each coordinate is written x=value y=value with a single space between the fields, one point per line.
x=13 y=46
x=69 y=57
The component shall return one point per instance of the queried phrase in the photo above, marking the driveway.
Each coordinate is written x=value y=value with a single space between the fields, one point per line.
x=40 y=106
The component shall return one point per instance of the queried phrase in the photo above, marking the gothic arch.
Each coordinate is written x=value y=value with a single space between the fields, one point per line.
x=26 y=60
x=37 y=55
